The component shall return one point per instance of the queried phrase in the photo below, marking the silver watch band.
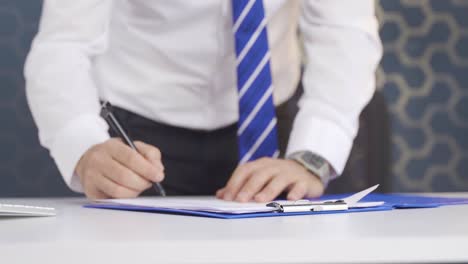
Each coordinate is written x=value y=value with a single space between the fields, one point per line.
x=314 y=163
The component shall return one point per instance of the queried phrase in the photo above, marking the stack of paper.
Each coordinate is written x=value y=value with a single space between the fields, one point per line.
x=207 y=204
x=213 y=205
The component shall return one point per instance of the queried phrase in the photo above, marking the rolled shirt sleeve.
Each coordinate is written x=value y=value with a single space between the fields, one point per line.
x=342 y=49
x=59 y=85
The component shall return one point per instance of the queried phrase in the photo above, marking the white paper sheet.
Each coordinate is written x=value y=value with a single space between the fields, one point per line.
x=207 y=204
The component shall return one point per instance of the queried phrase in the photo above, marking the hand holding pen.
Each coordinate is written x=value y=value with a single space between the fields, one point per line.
x=106 y=113
x=114 y=170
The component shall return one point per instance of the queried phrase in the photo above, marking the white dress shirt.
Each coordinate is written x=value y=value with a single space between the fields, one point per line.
x=174 y=62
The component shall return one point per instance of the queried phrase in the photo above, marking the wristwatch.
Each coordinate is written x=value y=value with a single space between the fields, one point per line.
x=316 y=164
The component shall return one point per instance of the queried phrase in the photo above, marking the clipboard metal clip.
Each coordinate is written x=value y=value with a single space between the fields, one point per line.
x=307 y=206
x=316 y=206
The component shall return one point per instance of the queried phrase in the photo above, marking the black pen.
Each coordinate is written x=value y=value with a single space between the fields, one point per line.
x=106 y=113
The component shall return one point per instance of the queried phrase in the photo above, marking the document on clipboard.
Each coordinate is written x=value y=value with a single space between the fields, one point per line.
x=212 y=207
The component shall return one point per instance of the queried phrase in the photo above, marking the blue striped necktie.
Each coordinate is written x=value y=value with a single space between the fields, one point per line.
x=257 y=136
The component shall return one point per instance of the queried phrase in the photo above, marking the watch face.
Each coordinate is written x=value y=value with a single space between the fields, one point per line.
x=314 y=160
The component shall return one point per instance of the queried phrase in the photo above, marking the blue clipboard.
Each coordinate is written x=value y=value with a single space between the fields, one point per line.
x=391 y=201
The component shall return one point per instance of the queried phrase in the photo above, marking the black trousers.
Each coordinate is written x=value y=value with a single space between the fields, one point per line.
x=196 y=162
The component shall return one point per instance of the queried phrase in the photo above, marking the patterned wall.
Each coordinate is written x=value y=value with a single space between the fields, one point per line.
x=424 y=76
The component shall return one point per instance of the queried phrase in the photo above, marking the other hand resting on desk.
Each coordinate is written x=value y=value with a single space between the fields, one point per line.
x=264 y=179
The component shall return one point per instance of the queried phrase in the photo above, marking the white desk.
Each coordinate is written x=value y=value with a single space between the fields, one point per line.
x=80 y=235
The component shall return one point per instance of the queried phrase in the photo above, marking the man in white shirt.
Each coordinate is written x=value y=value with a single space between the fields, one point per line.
x=170 y=68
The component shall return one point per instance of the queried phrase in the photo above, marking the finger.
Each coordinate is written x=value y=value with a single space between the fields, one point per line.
x=255 y=183
x=273 y=189
x=112 y=189
x=315 y=189
x=125 y=177
x=151 y=153
x=94 y=194
x=220 y=193
x=89 y=187
x=237 y=179
x=298 y=191
x=134 y=161
x=241 y=174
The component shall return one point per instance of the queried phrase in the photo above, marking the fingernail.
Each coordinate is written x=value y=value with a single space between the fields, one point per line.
x=159 y=177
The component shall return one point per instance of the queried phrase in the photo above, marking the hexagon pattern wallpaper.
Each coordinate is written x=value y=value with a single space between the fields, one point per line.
x=423 y=75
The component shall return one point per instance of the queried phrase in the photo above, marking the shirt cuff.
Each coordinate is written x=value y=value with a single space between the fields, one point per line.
x=73 y=141
x=322 y=137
